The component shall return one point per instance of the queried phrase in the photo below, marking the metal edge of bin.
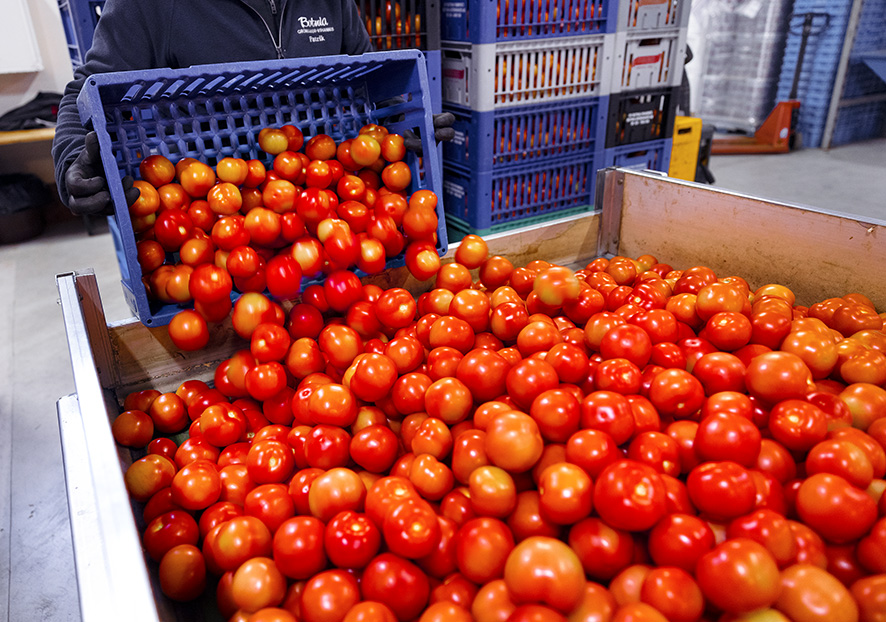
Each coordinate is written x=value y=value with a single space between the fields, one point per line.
x=818 y=253
x=105 y=544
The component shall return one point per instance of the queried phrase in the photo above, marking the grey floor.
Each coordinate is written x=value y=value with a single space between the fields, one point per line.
x=36 y=559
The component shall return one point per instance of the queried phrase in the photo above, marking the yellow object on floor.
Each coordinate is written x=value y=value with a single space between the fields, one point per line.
x=684 y=152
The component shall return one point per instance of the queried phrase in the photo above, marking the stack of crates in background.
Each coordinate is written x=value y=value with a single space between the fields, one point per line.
x=79 y=18
x=527 y=81
x=649 y=53
x=862 y=112
x=405 y=24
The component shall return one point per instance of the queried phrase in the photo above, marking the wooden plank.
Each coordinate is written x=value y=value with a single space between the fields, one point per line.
x=817 y=254
x=19 y=137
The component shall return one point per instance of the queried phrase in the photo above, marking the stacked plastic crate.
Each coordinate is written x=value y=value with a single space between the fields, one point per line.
x=404 y=24
x=862 y=112
x=649 y=53
x=527 y=81
x=79 y=18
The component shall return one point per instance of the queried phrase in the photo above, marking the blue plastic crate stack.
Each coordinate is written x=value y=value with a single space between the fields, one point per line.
x=862 y=114
x=649 y=54
x=527 y=81
x=530 y=83
x=819 y=70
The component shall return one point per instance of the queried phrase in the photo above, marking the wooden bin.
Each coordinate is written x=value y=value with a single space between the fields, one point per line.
x=817 y=254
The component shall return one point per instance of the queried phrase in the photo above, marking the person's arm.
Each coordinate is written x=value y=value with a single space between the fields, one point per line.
x=130 y=35
x=355 y=37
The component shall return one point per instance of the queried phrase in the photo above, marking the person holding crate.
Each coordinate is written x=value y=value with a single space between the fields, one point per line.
x=149 y=34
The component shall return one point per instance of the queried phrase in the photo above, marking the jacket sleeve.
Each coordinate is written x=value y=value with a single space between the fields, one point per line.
x=126 y=38
x=355 y=37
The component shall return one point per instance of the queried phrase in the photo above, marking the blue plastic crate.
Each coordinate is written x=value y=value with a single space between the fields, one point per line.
x=860 y=122
x=514 y=196
x=435 y=78
x=214 y=111
x=486 y=140
x=654 y=155
x=495 y=21
x=79 y=18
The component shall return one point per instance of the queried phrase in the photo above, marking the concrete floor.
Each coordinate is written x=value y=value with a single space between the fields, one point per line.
x=36 y=560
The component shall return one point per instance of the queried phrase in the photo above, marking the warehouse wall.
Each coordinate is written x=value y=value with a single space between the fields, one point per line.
x=17 y=89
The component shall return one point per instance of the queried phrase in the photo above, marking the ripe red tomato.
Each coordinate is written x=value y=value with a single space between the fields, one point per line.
x=629 y=495
x=738 y=576
x=396 y=583
x=545 y=570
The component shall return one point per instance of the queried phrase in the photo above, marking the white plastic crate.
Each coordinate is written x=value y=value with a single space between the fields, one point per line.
x=640 y=15
x=650 y=59
x=487 y=76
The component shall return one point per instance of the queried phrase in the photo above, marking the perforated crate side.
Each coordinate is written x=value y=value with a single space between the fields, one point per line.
x=214 y=111
x=496 y=138
x=654 y=155
x=640 y=116
x=645 y=60
x=860 y=122
x=511 y=195
x=497 y=21
x=401 y=24
x=79 y=18
x=489 y=76
x=640 y=15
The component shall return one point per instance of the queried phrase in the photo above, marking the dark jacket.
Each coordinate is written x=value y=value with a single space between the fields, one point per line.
x=148 y=34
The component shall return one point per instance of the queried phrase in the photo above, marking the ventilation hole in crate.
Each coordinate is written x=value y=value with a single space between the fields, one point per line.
x=191 y=146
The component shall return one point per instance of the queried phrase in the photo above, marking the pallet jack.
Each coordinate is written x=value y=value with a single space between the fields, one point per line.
x=778 y=133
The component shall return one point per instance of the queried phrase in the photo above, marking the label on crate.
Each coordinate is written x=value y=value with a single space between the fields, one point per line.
x=646 y=60
x=455 y=83
x=460 y=138
x=643 y=117
x=454 y=9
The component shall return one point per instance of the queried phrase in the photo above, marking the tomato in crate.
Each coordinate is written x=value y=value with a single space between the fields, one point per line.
x=212 y=112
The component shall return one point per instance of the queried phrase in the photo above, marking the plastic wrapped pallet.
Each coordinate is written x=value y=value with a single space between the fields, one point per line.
x=738 y=47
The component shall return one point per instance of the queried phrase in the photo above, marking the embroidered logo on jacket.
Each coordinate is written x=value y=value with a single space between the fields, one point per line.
x=314 y=27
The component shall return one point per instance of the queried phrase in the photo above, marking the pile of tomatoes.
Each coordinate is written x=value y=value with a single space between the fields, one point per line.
x=623 y=442
x=320 y=209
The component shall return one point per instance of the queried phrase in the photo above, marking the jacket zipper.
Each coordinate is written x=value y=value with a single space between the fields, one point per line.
x=278 y=40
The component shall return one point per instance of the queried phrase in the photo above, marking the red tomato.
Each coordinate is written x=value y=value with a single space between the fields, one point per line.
x=604 y=551
x=834 y=508
x=182 y=573
x=397 y=583
x=629 y=495
x=738 y=576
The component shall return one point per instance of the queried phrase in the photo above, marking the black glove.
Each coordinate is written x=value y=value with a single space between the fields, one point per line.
x=86 y=184
x=443 y=130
